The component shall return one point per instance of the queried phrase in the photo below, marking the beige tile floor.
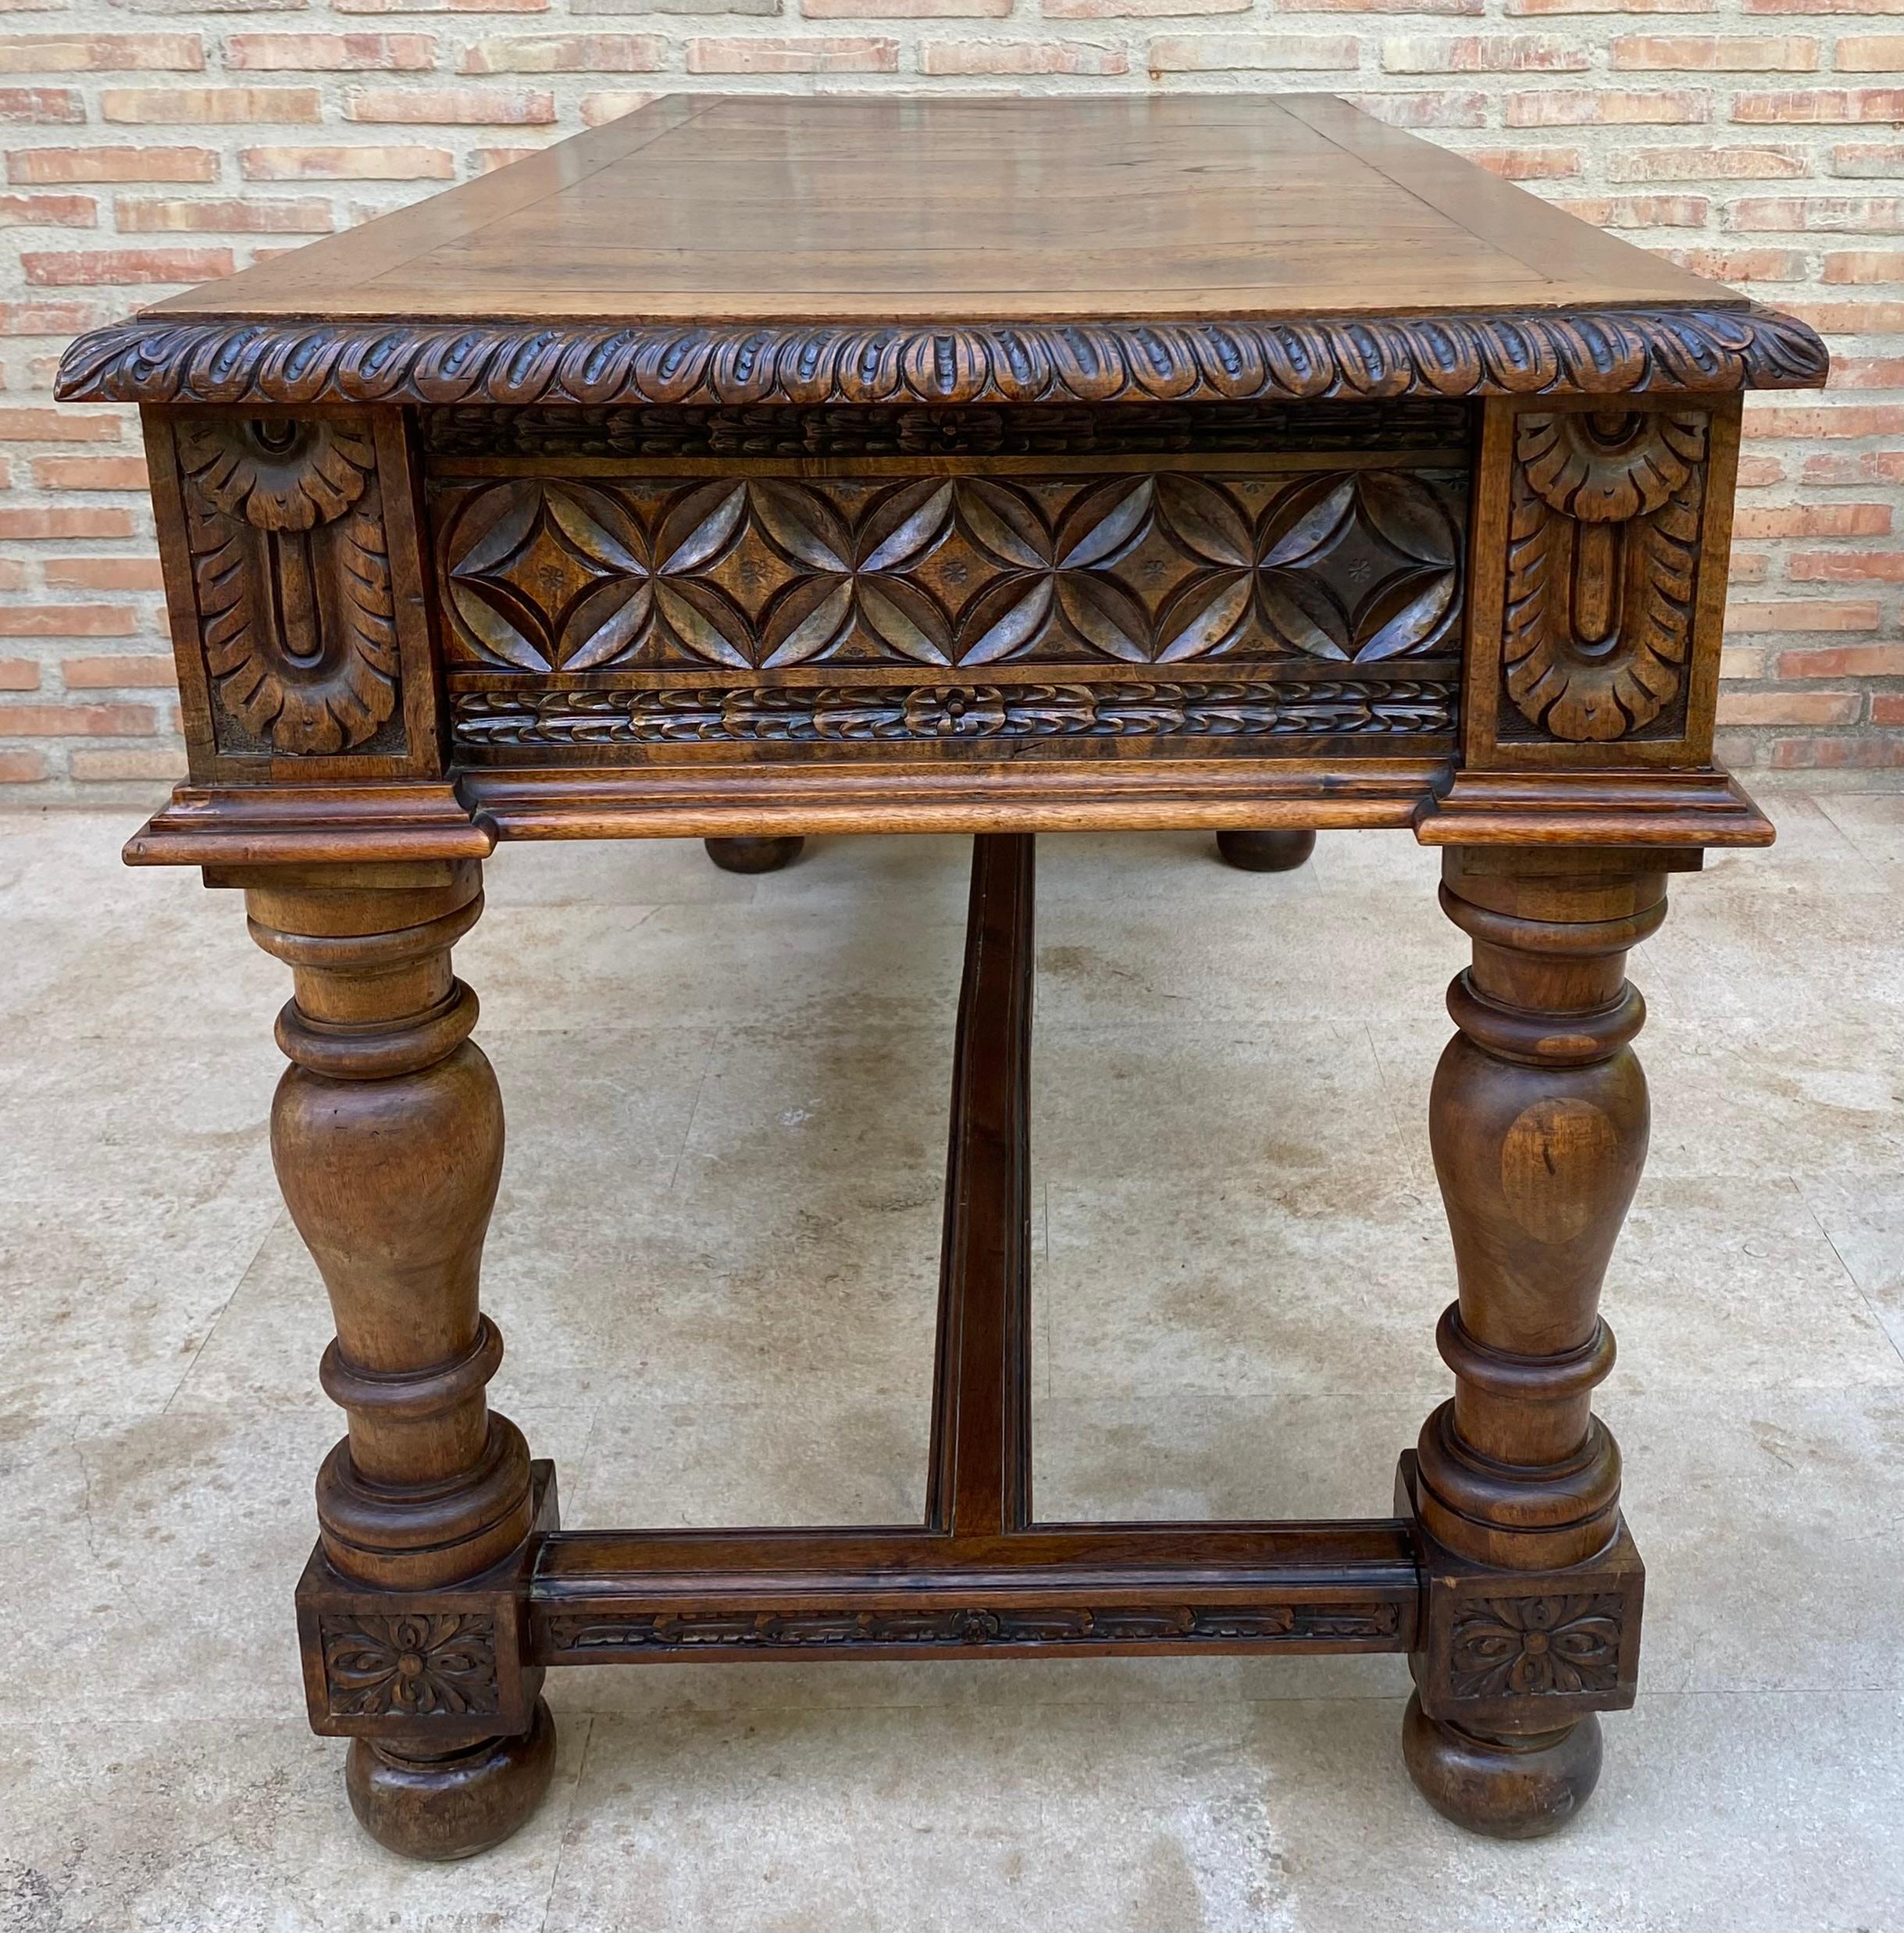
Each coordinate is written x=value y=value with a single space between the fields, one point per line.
x=715 y=1254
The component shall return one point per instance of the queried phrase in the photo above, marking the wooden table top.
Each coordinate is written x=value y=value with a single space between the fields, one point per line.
x=761 y=209
x=736 y=251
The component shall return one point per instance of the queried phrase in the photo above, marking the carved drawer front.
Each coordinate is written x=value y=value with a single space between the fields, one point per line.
x=626 y=585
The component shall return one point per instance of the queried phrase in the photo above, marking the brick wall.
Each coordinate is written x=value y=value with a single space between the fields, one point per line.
x=154 y=143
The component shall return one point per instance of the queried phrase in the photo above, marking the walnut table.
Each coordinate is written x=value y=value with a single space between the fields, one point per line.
x=751 y=468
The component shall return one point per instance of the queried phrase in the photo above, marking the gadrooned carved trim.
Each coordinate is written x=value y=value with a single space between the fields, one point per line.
x=753 y=714
x=411 y=1663
x=1598 y=352
x=1536 y=1647
x=291 y=576
x=580 y=1635
x=1603 y=567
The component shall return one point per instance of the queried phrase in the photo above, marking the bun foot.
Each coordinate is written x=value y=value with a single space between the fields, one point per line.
x=1265 y=852
x=753 y=855
x=450 y=1806
x=1506 y=1788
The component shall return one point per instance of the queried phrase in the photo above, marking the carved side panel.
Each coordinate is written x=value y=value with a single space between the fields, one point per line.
x=1599 y=566
x=292 y=579
x=616 y=604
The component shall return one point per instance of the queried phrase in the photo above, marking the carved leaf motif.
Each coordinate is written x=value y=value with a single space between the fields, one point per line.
x=296 y=613
x=277 y=472
x=1600 y=610
x=1207 y=522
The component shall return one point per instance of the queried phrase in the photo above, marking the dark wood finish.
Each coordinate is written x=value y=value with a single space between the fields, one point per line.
x=751 y=468
x=753 y=855
x=1259 y=851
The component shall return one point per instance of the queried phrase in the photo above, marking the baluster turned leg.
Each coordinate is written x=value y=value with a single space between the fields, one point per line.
x=387 y=1131
x=1539 y=1121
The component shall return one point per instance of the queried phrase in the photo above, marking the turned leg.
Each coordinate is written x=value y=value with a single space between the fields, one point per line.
x=386 y=1132
x=1539 y=1121
x=1265 y=851
x=753 y=855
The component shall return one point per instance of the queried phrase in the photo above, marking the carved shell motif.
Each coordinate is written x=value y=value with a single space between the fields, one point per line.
x=1602 y=561
x=291 y=571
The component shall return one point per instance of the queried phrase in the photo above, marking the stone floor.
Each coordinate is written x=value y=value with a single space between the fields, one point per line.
x=715 y=1254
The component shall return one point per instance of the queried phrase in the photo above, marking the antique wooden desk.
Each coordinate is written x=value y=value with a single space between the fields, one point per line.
x=751 y=468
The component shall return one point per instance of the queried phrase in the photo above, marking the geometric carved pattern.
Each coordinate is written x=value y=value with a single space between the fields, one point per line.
x=580 y=1635
x=411 y=1663
x=750 y=573
x=1602 y=562
x=290 y=573
x=676 y=715
x=1536 y=1646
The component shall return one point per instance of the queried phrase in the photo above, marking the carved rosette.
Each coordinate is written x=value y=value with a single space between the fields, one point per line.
x=291 y=576
x=1602 y=563
x=1536 y=1647
x=413 y=1664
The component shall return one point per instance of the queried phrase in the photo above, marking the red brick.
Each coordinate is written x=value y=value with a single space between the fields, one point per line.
x=1886 y=708
x=1844 y=214
x=443 y=6
x=1135 y=9
x=972 y=56
x=332 y=53
x=1846 y=567
x=1869 y=54
x=102 y=573
x=847 y=54
x=1809 y=615
x=595 y=108
x=1483 y=53
x=452 y=107
x=180 y=216
x=48 y=211
x=138 y=671
x=487 y=160
x=1856 y=319
x=44 y=105
x=119 y=267
x=1824 y=6
x=1250 y=53
x=1842 y=661
x=347 y=164
x=30 y=526
x=1878 y=160
x=584 y=53
x=100 y=53
x=224 y=107
x=1789 y=707
x=101 y=767
x=1610 y=6
x=52 y=166
x=904 y=9
x=1587 y=107
x=1813 y=520
x=1858 y=753
x=78 y=721
x=1756 y=472
x=1527 y=164
x=1444 y=7
x=1742 y=265
x=21 y=768
x=58 y=426
x=1706 y=164
x=19 y=674
x=69 y=620
x=1867 y=371
x=1642 y=211
x=1864 y=265
x=1835 y=467
x=1727 y=53
x=1820 y=105
x=89 y=472
x=1446 y=107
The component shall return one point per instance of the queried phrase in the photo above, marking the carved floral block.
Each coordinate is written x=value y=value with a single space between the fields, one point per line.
x=1603 y=548
x=412 y=1664
x=290 y=583
x=753 y=573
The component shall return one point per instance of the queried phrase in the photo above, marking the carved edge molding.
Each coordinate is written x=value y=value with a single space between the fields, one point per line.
x=578 y=1638
x=1594 y=352
x=941 y=713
